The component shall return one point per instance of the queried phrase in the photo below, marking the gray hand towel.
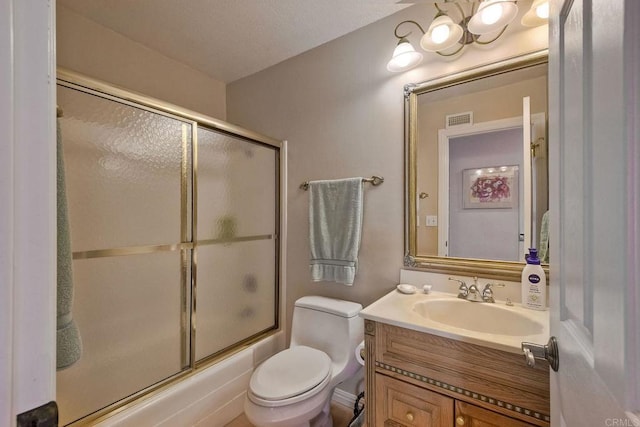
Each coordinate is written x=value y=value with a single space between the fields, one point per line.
x=543 y=251
x=335 y=226
x=69 y=345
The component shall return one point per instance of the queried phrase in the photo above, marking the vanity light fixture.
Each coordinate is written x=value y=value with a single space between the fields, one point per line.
x=443 y=34
x=538 y=14
x=460 y=22
x=492 y=15
x=404 y=55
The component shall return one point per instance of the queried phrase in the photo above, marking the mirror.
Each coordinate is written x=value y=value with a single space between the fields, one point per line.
x=476 y=171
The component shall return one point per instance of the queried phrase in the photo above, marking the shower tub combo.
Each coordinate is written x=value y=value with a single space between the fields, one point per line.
x=175 y=224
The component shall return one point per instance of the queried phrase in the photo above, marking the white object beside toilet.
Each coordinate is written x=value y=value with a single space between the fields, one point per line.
x=293 y=388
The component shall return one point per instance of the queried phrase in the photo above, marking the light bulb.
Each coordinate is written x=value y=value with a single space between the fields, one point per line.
x=542 y=11
x=443 y=34
x=440 y=34
x=491 y=14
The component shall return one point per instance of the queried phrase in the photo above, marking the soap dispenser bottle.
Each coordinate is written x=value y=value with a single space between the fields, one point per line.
x=534 y=283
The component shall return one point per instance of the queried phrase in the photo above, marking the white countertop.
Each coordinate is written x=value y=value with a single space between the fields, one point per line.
x=397 y=309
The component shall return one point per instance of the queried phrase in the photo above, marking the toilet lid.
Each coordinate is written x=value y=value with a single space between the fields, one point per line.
x=289 y=373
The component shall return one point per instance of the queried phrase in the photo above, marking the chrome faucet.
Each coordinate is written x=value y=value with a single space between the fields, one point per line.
x=473 y=294
x=487 y=292
x=469 y=293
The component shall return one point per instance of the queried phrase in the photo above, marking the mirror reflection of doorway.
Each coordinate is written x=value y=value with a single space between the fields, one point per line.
x=502 y=230
x=487 y=230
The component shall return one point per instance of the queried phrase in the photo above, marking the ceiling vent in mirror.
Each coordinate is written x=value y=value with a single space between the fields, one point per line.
x=459 y=119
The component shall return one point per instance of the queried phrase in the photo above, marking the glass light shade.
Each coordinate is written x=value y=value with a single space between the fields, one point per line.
x=492 y=15
x=542 y=11
x=440 y=34
x=443 y=33
x=404 y=57
x=537 y=15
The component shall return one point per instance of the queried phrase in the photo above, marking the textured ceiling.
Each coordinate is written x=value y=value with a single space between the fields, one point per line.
x=231 y=39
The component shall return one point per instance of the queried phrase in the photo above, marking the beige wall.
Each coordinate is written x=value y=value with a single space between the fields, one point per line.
x=91 y=49
x=342 y=113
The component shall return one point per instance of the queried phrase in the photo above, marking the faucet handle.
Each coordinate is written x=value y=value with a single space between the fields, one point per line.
x=462 y=283
x=487 y=292
x=463 y=289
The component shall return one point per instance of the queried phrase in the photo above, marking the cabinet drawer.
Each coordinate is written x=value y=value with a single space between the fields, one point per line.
x=401 y=404
x=473 y=416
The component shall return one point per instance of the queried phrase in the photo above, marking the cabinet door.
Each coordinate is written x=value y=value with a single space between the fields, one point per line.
x=400 y=404
x=473 y=416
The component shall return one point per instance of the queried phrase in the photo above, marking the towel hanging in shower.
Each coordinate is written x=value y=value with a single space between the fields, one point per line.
x=335 y=227
x=69 y=344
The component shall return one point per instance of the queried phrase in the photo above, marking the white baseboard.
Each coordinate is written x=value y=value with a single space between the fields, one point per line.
x=344 y=398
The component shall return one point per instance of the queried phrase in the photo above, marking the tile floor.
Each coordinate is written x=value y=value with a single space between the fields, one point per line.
x=340 y=413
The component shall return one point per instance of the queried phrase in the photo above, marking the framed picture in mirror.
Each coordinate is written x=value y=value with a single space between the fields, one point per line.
x=493 y=187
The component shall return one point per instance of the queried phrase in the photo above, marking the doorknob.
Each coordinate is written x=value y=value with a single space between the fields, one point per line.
x=547 y=352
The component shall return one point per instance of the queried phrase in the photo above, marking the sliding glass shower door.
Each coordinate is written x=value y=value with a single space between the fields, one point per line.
x=236 y=243
x=169 y=217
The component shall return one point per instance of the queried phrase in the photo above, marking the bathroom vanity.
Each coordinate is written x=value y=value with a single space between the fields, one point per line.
x=421 y=372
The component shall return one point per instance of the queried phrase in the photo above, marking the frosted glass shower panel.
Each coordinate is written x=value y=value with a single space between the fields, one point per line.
x=128 y=312
x=237 y=187
x=127 y=169
x=170 y=222
x=236 y=288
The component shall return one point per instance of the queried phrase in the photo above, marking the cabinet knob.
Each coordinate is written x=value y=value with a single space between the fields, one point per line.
x=409 y=416
x=460 y=421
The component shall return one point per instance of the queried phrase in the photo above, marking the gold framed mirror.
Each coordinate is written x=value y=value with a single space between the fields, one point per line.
x=483 y=125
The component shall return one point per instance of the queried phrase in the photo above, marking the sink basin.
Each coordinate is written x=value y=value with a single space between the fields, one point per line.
x=496 y=326
x=478 y=317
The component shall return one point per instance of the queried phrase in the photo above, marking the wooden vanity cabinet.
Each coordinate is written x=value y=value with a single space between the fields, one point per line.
x=419 y=379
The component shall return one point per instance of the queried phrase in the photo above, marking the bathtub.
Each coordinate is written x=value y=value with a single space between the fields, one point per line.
x=211 y=397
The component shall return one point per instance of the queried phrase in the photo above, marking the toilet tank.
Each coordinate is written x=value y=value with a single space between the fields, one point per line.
x=330 y=325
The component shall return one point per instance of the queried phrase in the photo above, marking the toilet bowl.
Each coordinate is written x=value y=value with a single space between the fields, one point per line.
x=293 y=388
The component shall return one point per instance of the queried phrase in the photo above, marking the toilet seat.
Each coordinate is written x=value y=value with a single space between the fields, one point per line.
x=290 y=376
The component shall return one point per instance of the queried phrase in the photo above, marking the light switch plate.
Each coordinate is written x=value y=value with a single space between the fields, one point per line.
x=431 y=221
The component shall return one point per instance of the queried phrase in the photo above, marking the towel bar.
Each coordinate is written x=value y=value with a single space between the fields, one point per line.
x=375 y=180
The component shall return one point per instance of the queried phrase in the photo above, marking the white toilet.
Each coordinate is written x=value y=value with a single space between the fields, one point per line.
x=294 y=387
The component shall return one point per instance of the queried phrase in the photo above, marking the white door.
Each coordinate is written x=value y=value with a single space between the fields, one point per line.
x=27 y=207
x=595 y=211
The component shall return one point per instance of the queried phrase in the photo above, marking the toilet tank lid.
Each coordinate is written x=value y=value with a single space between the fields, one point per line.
x=330 y=305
